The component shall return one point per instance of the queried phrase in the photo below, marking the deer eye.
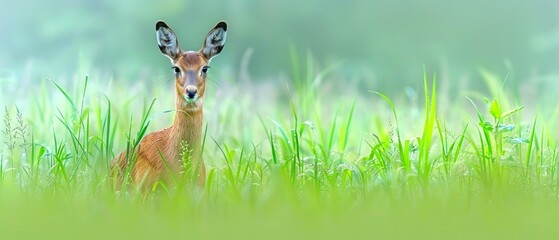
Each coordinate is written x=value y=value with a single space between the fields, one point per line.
x=205 y=69
x=177 y=70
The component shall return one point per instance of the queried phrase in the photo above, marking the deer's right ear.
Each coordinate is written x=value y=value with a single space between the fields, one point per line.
x=167 y=40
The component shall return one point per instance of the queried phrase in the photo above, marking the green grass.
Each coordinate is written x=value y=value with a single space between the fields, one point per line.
x=318 y=159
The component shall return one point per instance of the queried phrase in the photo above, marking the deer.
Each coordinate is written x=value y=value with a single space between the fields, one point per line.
x=157 y=157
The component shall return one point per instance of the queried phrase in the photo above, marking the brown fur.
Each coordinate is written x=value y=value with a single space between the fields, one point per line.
x=165 y=144
x=158 y=153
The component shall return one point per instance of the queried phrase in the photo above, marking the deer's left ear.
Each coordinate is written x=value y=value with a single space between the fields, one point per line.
x=215 y=40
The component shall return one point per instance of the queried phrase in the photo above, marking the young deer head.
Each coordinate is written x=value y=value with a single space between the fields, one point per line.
x=190 y=67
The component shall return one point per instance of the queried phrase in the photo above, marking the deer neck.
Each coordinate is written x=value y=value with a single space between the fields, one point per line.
x=187 y=127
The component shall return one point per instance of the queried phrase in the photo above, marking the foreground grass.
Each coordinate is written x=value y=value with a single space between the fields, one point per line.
x=430 y=218
x=302 y=165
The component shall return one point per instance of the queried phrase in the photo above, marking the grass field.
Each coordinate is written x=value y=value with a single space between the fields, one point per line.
x=309 y=156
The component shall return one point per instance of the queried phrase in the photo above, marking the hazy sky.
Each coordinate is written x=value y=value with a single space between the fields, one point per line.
x=393 y=39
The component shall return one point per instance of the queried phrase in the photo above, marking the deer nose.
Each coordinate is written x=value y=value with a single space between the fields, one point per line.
x=191 y=92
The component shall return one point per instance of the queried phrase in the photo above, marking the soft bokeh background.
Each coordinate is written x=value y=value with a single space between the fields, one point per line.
x=381 y=43
x=334 y=51
x=296 y=142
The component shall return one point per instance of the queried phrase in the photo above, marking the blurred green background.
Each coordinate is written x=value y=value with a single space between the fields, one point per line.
x=374 y=45
x=386 y=42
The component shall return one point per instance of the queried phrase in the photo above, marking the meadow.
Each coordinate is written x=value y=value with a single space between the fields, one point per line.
x=435 y=129
x=317 y=159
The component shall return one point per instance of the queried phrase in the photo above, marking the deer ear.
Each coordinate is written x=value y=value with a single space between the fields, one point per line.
x=215 y=40
x=166 y=40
